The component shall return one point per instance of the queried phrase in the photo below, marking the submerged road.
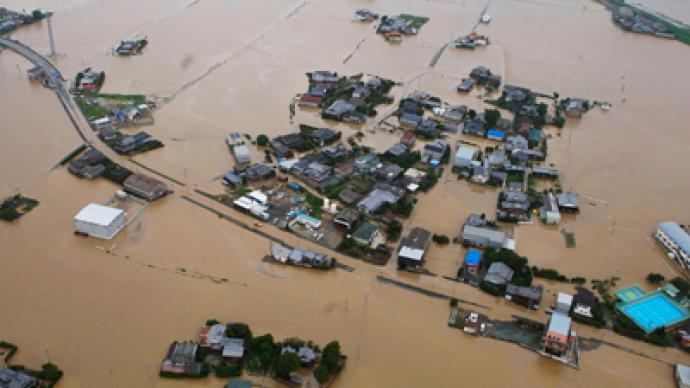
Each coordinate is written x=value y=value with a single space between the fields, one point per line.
x=55 y=81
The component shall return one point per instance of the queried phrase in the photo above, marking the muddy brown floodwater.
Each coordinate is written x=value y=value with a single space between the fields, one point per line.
x=106 y=311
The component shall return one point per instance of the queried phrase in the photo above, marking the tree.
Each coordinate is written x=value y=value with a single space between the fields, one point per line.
x=50 y=372
x=263 y=348
x=322 y=374
x=37 y=14
x=286 y=363
x=330 y=358
x=655 y=278
x=394 y=230
x=239 y=330
x=491 y=117
x=211 y=322
x=262 y=140
x=542 y=108
x=472 y=113
x=440 y=239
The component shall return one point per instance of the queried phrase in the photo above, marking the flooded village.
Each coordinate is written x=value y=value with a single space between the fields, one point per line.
x=373 y=190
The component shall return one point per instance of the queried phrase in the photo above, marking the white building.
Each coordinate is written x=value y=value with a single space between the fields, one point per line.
x=563 y=302
x=676 y=241
x=99 y=221
x=682 y=375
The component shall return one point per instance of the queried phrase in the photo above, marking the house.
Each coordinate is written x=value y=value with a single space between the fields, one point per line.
x=339 y=110
x=567 y=203
x=516 y=95
x=397 y=150
x=349 y=196
x=414 y=175
x=410 y=121
x=545 y=172
x=478 y=220
x=145 y=187
x=682 y=374
x=233 y=349
x=575 y=107
x=309 y=101
x=365 y=234
x=495 y=134
x=85 y=165
x=529 y=297
x=474 y=127
x=232 y=179
x=483 y=237
x=435 y=150
x=499 y=274
x=517 y=142
x=564 y=302
x=390 y=171
x=557 y=335
x=181 y=359
x=325 y=77
x=376 y=199
x=343 y=170
x=338 y=152
x=413 y=248
x=99 y=221
x=290 y=142
x=584 y=303
x=324 y=136
x=306 y=355
x=428 y=128
x=483 y=76
x=408 y=139
x=534 y=135
x=367 y=164
x=480 y=175
x=257 y=172
x=108 y=134
x=513 y=205
x=497 y=158
x=498 y=178
x=347 y=218
x=10 y=378
x=527 y=154
x=452 y=113
x=472 y=260
x=212 y=336
x=242 y=155
x=466 y=85
x=549 y=212
x=464 y=156
x=317 y=173
x=129 y=143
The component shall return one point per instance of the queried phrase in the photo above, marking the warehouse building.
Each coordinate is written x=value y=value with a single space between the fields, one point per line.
x=99 y=221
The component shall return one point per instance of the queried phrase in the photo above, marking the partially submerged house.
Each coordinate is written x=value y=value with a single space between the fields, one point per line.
x=513 y=206
x=584 y=303
x=549 y=211
x=557 y=335
x=378 y=197
x=181 y=359
x=145 y=187
x=484 y=237
x=243 y=156
x=347 y=218
x=435 y=150
x=567 y=203
x=575 y=107
x=413 y=249
x=529 y=297
x=365 y=234
x=10 y=378
x=499 y=274
x=473 y=259
x=464 y=157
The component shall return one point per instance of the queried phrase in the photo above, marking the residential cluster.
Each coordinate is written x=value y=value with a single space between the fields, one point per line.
x=393 y=28
x=347 y=99
x=227 y=349
x=11 y=20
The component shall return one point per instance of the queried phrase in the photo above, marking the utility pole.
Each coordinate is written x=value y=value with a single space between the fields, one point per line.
x=52 y=53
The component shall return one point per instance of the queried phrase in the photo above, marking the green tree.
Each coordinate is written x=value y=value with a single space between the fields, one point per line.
x=472 y=113
x=263 y=348
x=655 y=278
x=542 y=108
x=262 y=140
x=239 y=330
x=330 y=358
x=491 y=117
x=211 y=322
x=50 y=372
x=286 y=363
x=394 y=230
x=322 y=374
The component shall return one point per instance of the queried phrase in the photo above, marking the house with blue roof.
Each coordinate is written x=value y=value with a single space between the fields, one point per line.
x=495 y=134
x=472 y=260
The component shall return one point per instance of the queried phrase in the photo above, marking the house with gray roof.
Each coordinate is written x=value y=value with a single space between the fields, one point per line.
x=413 y=249
x=499 y=274
x=410 y=121
x=483 y=237
x=375 y=200
x=365 y=234
x=435 y=150
x=10 y=378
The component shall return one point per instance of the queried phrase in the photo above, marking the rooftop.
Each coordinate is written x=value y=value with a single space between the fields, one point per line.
x=98 y=214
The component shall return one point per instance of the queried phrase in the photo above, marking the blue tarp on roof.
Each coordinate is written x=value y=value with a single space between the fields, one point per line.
x=473 y=257
x=495 y=133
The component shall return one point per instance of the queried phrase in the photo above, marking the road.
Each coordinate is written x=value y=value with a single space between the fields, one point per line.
x=57 y=82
